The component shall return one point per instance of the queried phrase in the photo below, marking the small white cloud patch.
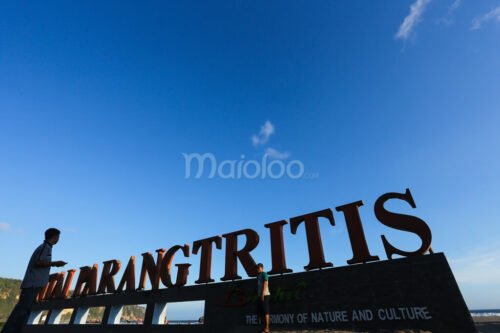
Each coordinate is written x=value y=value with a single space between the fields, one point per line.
x=410 y=22
x=478 y=267
x=276 y=154
x=266 y=131
x=493 y=14
x=448 y=18
x=4 y=226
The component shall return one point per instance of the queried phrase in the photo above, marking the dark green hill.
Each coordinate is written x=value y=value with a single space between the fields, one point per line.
x=9 y=292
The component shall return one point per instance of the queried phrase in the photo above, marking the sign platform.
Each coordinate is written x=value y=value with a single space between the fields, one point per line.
x=418 y=293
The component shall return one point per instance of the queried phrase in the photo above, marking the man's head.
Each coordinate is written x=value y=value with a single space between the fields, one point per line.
x=52 y=236
x=260 y=267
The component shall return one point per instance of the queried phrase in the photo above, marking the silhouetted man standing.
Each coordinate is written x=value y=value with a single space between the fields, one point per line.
x=264 y=297
x=36 y=277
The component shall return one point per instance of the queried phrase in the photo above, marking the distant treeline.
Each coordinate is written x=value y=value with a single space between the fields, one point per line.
x=9 y=292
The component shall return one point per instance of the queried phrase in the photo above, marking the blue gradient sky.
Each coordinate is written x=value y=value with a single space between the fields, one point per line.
x=99 y=101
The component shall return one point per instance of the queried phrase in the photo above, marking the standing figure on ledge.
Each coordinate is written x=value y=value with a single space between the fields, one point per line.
x=264 y=297
x=36 y=277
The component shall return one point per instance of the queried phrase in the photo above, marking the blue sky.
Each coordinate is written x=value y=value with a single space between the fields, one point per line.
x=98 y=102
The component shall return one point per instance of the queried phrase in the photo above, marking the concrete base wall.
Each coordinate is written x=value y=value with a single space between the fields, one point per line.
x=412 y=293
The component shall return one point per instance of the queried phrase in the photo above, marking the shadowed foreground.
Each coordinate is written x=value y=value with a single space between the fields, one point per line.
x=484 y=325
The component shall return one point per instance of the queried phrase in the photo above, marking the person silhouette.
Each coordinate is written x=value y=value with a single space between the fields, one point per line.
x=36 y=277
x=264 y=297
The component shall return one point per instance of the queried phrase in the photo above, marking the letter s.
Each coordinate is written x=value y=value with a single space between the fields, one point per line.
x=402 y=222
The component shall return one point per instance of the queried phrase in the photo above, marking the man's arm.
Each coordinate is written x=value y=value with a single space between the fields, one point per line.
x=45 y=263
x=45 y=258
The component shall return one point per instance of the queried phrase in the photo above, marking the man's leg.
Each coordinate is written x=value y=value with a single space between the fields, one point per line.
x=267 y=300
x=21 y=311
x=260 y=313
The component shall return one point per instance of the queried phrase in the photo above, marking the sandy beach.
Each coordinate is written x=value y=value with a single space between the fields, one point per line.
x=488 y=324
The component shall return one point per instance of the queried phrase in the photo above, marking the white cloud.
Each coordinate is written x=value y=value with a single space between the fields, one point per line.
x=447 y=19
x=493 y=14
x=276 y=154
x=410 y=22
x=266 y=131
x=4 y=226
x=478 y=267
x=262 y=139
x=454 y=6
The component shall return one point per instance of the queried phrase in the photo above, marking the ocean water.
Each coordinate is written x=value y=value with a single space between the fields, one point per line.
x=485 y=313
